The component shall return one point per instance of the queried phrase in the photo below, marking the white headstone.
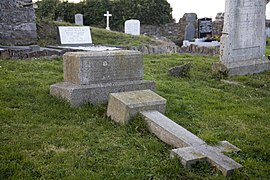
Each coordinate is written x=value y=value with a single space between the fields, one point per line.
x=79 y=19
x=132 y=27
x=243 y=38
x=75 y=35
x=108 y=15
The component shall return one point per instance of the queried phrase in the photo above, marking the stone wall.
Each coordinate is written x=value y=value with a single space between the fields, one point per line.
x=17 y=22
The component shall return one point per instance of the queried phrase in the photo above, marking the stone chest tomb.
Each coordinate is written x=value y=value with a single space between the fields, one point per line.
x=91 y=76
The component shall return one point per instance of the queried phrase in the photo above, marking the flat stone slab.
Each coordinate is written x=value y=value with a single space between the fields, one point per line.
x=78 y=95
x=124 y=106
x=102 y=66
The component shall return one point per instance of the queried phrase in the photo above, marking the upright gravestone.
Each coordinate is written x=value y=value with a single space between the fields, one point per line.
x=132 y=27
x=74 y=35
x=190 y=28
x=79 y=19
x=205 y=27
x=17 y=22
x=243 y=38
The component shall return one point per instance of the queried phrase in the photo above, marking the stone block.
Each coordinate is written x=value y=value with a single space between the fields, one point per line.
x=78 y=95
x=124 y=106
x=104 y=66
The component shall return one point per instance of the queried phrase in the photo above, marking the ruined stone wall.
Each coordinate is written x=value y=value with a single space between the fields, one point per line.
x=17 y=22
x=166 y=30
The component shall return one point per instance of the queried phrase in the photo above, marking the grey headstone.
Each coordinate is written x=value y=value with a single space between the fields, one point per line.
x=79 y=19
x=243 y=38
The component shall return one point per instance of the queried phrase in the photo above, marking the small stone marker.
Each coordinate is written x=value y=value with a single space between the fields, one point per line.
x=191 y=149
x=108 y=15
x=132 y=27
x=79 y=19
x=243 y=40
x=90 y=76
x=75 y=35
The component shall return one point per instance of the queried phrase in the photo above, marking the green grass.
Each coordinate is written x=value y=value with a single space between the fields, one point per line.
x=47 y=33
x=42 y=137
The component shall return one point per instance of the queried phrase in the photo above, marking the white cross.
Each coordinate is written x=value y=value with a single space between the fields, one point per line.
x=108 y=15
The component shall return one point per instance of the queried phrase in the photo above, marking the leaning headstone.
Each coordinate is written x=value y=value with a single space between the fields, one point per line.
x=132 y=27
x=17 y=22
x=74 y=35
x=190 y=28
x=89 y=77
x=243 y=40
x=79 y=19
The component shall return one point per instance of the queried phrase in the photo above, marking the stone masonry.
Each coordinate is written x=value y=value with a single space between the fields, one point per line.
x=243 y=39
x=89 y=77
x=17 y=22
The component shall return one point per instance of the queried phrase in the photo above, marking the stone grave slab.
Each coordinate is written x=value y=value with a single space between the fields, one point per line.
x=243 y=40
x=124 y=106
x=190 y=148
x=133 y=27
x=89 y=77
x=75 y=35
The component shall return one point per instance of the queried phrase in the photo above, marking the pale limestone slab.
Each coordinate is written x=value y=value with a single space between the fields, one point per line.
x=124 y=106
x=102 y=66
x=75 y=35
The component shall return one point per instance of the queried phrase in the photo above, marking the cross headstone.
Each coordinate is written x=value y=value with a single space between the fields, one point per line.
x=124 y=106
x=243 y=40
x=79 y=19
x=190 y=29
x=132 y=27
x=108 y=15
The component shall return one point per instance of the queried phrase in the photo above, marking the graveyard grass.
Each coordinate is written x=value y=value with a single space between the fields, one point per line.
x=42 y=137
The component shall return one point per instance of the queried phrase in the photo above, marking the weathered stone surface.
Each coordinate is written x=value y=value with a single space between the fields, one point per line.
x=104 y=66
x=243 y=38
x=182 y=70
x=126 y=105
x=78 y=95
x=17 y=22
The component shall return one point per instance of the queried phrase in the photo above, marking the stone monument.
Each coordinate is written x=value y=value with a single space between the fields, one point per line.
x=89 y=77
x=132 y=27
x=243 y=39
x=17 y=22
